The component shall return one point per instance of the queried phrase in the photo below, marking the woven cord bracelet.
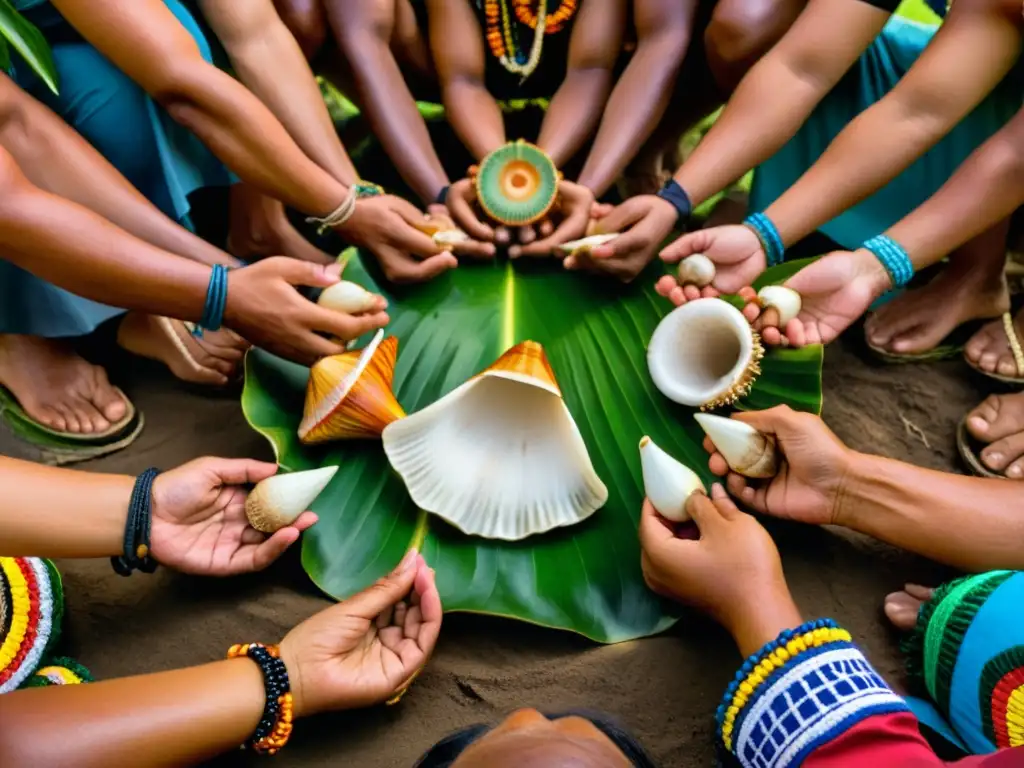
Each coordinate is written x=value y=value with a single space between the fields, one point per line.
x=137 y=528
x=216 y=302
x=275 y=726
x=674 y=193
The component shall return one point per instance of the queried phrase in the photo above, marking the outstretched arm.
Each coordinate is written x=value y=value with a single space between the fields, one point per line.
x=364 y=31
x=145 y=41
x=268 y=60
x=472 y=111
x=780 y=92
x=579 y=102
x=638 y=101
x=941 y=88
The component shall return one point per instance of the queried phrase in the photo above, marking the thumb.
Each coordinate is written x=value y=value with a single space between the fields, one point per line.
x=622 y=216
x=687 y=245
x=299 y=272
x=374 y=600
x=770 y=422
x=703 y=512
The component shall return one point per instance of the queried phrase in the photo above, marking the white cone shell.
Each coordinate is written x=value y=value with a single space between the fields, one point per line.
x=586 y=243
x=697 y=270
x=667 y=482
x=347 y=297
x=499 y=457
x=279 y=500
x=785 y=300
x=450 y=237
x=744 y=449
x=700 y=351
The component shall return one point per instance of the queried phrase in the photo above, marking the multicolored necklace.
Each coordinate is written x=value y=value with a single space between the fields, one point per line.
x=503 y=40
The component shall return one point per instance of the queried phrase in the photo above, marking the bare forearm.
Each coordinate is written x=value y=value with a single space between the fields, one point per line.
x=988 y=187
x=635 y=108
x=574 y=113
x=966 y=522
x=48 y=512
x=475 y=116
x=166 y=719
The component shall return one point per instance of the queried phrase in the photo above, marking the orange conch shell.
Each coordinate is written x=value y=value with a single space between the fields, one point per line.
x=350 y=396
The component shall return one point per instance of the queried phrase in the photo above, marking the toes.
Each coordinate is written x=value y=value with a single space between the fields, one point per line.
x=981 y=419
x=70 y=419
x=51 y=418
x=1007 y=366
x=902 y=609
x=1002 y=453
x=999 y=416
x=988 y=361
x=89 y=417
x=918 y=592
x=915 y=339
x=980 y=341
x=108 y=401
x=1016 y=470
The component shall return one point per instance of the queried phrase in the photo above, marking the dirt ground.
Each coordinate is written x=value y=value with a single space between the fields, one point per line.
x=665 y=688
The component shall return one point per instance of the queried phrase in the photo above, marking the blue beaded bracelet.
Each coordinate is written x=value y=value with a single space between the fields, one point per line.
x=894 y=258
x=673 y=193
x=768 y=234
x=216 y=301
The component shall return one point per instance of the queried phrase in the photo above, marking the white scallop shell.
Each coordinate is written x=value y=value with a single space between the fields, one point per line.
x=668 y=484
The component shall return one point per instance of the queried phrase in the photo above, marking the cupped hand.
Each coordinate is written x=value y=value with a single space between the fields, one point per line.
x=732 y=571
x=387 y=226
x=735 y=251
x=812 y=471
x=439 y=220
x=462 y=205
x=264 y=306
x=835 y=291
x=573 y=208
x=644 y=222
x=199 y=523
x=367 y=649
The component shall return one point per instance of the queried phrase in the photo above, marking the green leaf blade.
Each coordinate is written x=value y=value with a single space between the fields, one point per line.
x=29 y=42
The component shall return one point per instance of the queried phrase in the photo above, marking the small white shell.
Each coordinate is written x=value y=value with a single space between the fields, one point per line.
x=697 y=270
x=279 y=500
x=785 y=300
x=586 y=243
x=667 y=483
x=745 y=450
x=347 y=297
x=450 y=237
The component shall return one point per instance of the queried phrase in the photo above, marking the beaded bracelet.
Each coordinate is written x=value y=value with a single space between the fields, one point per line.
x=136 y=556
x=768 y=234
x=367 y=189
x=216 y=302
x=674 y=193
x=894 y=258
x=275 y=726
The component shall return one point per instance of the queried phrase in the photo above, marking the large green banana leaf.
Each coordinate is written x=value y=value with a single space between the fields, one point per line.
x=28 y=41
x=586 y=579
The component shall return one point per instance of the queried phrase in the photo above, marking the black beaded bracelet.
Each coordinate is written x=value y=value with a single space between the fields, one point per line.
x=275 y=724
x=136 y=555
x=442 y=196
x=673 y=193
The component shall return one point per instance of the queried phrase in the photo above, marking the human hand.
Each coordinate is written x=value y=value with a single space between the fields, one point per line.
x=199 y=523
x=732 y=572
x=813 y=469
x=574 y=205
x=834 y=291
x=387 y=226
x=644 y=222
x=735 y=251
x=461 y=203
x=366 y=649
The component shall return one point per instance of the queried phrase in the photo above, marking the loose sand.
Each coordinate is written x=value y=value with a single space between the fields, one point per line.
x=666 y=688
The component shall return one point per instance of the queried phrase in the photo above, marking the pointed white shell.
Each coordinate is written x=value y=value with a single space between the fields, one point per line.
x=498 y=457
x=745 y=450
x=701 y=351
x=697 y=270
x=785 y=300
x=279 y=500
x=450 y=237
x=347 y=297
x=667 y=483
x=586 y=243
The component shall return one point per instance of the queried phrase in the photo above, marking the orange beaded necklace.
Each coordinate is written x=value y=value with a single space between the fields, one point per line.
x=555 y=21
x=501 y=37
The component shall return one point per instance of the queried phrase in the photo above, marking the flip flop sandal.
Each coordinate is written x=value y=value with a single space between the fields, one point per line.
x=1015 y=348
x=970 y=452
x=58 y=447
x=950 y=347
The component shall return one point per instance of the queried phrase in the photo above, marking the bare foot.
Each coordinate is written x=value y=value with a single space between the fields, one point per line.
x=212 y=359
x=989 y=348
x=902 y=608
x=921 y=318
x=58 y=388
x=259 y=228
x=999 y=422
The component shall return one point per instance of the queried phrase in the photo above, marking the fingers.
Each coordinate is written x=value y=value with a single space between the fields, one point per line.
x=687 y=245
x=474 y=249
x=239 y=471
x=623 y=216
x=459 y=201
x=376 y=599
x=725 y=506
x=654 y=530
x=754 y=498
x=624 y=245
x=430 y=610
x=600 y=210
x=400 y=269
x=345 y=326
x=571 y=228
x=266 y=553
x=702 y=512
x=299 y=272
x=770 y=421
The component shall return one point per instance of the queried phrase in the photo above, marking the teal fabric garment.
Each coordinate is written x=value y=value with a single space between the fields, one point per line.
x=872 y=77
x=160 y=158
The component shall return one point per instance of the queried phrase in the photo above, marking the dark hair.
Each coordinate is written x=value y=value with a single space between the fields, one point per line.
x=448 y=749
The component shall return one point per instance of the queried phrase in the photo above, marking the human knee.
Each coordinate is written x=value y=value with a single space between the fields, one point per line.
x=738 y=34
x=307 y=22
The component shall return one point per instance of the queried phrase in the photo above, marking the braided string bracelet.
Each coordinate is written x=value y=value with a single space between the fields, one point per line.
x=674 y=194
x=768 y=234
x=275 y=726
x=216 y=302
x=136 y=555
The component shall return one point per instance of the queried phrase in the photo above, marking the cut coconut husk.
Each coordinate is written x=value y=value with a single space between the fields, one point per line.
x=516 y=184
x=500 y=456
